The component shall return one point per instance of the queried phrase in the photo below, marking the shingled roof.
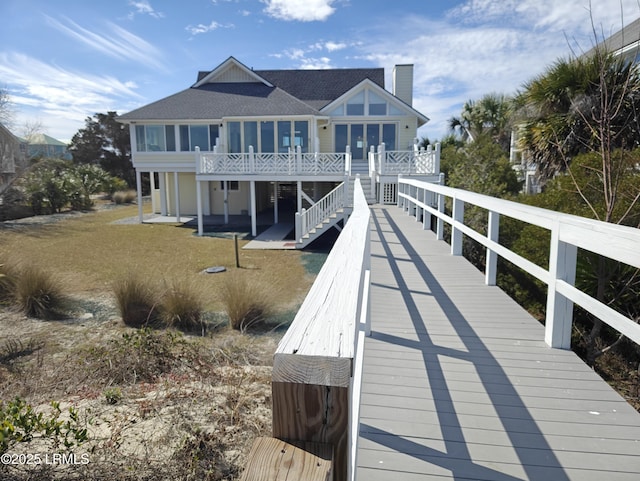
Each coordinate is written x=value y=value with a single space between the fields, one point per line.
x=218 y=100
x=320 y=87
x=292 y=92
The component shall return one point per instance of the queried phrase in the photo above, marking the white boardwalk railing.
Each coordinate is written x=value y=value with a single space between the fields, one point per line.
x=329 y=205
x=568 y=233
x=318 y=363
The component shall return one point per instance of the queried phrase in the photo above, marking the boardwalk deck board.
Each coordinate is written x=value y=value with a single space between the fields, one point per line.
x=458 y=383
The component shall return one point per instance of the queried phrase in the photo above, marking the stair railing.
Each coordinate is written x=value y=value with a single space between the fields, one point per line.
x=310 y=218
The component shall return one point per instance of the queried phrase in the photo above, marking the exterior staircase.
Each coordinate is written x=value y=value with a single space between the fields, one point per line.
x=361 y=168
x=322 y=216
x=333 y=208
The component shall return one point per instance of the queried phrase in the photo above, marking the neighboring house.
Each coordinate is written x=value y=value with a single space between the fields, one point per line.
x=240 y=141
x=625 y=42
x=44 y=146
x=11 y=158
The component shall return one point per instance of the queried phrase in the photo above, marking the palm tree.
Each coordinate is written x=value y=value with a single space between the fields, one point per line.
x=491 y=115
x=585 y=104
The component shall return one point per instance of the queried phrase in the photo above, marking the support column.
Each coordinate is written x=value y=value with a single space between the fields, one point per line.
x=177 y=193
x=254 y=226
x=299 y=192
x=139 y=191
x=206 y=196
x=275 y=203
x=225 y=191
x=152 y=188
x=199 y=207
x=162 y=177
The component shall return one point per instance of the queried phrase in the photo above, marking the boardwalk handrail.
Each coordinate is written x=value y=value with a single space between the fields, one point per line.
x=568 y=233
x=318 y=363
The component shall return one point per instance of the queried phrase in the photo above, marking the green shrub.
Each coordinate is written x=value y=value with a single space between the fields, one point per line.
x=113 y=395
x=19 y=423
x=38 y=294
x=136 y=301
x=139 y=356
x=182 y=308
x=246 y=302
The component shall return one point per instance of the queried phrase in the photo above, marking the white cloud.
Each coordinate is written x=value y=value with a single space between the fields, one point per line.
x=329 y=46
x=485 y=46
x=299 y=10
x=145 y=8
x=120 y=44
x=61 y=97
x=202 y=28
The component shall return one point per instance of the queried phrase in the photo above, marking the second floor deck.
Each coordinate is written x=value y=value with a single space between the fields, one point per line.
x=293 y=164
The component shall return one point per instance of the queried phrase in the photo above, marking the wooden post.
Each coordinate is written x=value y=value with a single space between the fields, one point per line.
x=493 y=230
x=199 y=208
x=176 y=183
x=314 y=362
x=456 y=234
x=562 y=266
x=235 y=244
x=139 y=192
x=225 y=188
x=162 y=177
x=254 y=220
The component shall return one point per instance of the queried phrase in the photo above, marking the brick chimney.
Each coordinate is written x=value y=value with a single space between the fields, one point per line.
x=403 y=83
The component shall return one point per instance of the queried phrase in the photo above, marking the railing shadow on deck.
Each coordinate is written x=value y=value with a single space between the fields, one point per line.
x=539 y=463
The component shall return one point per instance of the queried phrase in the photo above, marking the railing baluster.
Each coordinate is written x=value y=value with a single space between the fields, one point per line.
x=493 y=229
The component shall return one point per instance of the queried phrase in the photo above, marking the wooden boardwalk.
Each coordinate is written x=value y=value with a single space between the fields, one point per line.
x=458 y=383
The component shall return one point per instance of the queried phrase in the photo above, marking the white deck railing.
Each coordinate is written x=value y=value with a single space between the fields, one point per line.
x=330 y=204
x=317 y=366
x=418 y=161
x=568 y=233
x=295 y=162
x=289 y=163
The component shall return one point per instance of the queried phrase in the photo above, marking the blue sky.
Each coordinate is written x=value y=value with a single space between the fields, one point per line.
x=61 y=61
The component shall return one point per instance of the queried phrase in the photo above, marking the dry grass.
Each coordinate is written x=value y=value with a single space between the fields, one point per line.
x=181 y=307
x=89 y=253
x=247 y=303
x=136 y=300
x=159 y=405
x=38 y=293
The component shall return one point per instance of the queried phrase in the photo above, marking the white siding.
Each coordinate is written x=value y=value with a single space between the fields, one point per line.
x=406 y=135
x=403 y=83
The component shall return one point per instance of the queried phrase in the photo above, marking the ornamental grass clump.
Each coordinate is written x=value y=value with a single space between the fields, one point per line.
x=137 y=301
x=182 y=308
x=7 y=283
x=124 y=197
x=38 y=293
x=246 y=302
